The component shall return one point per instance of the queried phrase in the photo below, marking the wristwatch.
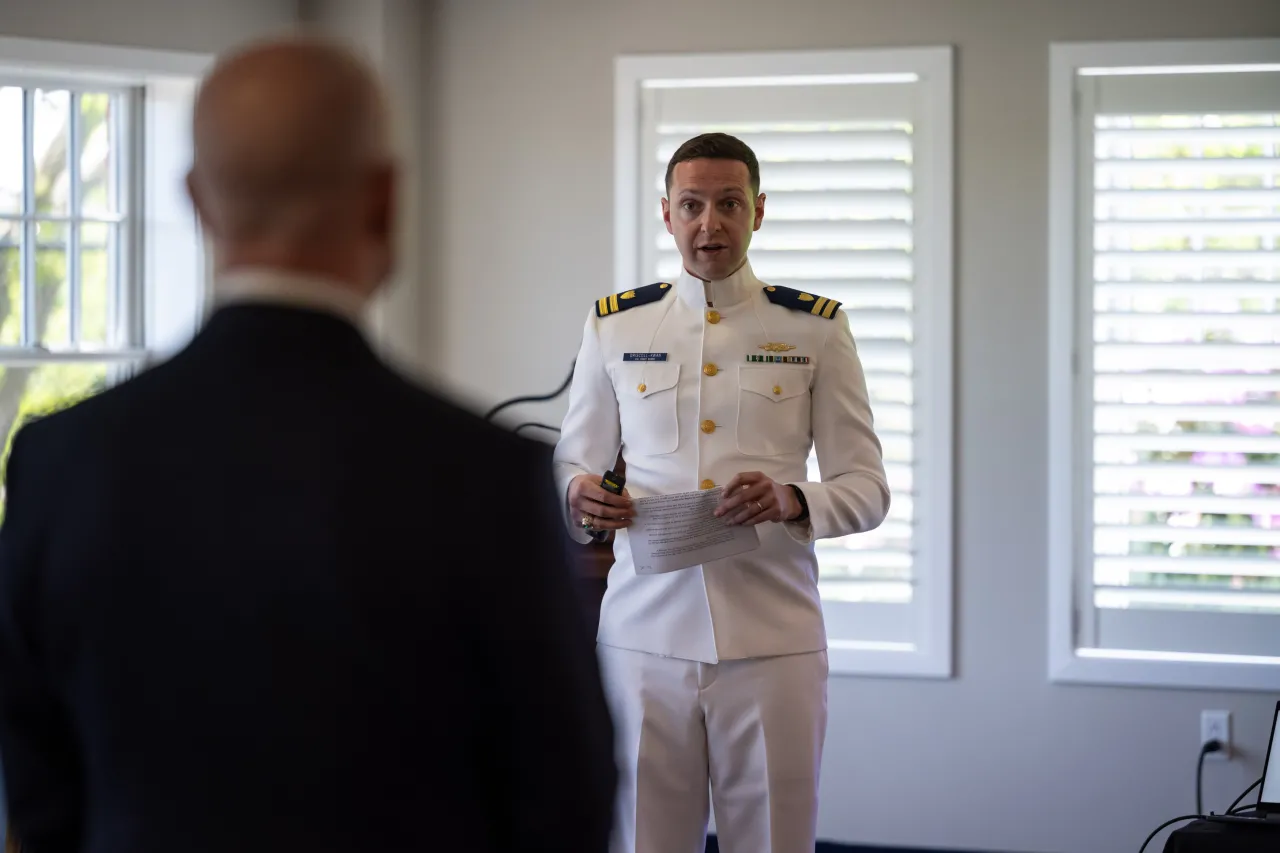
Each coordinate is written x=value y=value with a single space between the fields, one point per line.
x=804 y=506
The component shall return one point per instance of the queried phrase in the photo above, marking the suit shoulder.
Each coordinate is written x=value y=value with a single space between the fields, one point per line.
x=466 y=427
x=617 y=303
x=65 y=442
x=94 y=414
x=799 y=300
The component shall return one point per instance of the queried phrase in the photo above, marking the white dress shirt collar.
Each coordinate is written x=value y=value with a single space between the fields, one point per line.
x=721 y=294
x=276 y=287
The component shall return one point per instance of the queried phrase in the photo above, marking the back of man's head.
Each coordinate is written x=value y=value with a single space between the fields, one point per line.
x=293 y=167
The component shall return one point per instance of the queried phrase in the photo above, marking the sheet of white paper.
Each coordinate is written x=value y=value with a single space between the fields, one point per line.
x=671 y=532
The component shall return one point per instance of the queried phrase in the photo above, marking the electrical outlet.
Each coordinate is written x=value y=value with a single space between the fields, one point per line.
x=1216 y=725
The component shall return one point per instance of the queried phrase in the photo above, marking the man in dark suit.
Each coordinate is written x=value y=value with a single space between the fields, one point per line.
x=270 y=596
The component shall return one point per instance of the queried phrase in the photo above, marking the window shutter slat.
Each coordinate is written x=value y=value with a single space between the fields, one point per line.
x=760 y=108
x=1213 y=504
x=1216 y=599
x=1224 y=567
x=1183 y=136
x=1219 y=535
x=1215 y=167
x=1170 y=475
x=1108 y=445
x=1217 y=289
x=809 y=145
x=1205 y=355
x=1137 y=387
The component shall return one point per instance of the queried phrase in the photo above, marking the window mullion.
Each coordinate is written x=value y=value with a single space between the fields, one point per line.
x=125 y=318
x=74 y=143
x=115 y=193
x=28 y=259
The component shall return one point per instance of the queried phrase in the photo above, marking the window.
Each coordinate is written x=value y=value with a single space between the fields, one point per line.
x=1165 y=272
x=855 y=157
x=64 y=225
x=88 y=224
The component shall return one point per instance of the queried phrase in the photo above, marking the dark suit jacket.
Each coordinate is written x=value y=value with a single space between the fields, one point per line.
x=270 y=596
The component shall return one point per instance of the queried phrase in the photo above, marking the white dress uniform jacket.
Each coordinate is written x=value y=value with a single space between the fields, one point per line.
x=696 y=383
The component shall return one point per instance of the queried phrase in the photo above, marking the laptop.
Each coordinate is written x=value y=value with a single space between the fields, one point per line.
x=1267 y=810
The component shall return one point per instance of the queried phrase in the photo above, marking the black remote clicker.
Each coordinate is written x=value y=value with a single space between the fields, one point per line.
x=610 y=482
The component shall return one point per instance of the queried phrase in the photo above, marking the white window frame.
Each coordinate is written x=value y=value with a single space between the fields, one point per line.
x=930 y=655
x=167 y=254
x=1070 y=582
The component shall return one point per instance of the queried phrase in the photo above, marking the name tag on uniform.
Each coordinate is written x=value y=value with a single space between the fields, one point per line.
x=644 y=356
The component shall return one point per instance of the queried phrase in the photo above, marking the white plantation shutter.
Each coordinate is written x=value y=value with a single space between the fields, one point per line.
x=1179 y=362
x=848 y=168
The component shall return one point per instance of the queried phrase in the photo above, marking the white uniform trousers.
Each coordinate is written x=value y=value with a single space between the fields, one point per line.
x=752 y=728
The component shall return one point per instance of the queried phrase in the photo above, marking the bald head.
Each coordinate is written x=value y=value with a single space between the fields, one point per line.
x=292 y=152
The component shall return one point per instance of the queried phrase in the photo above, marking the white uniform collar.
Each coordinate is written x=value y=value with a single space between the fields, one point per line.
x=723 y=293
x=277 y=287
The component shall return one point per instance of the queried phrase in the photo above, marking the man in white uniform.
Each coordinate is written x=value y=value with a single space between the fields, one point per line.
x=718 y=673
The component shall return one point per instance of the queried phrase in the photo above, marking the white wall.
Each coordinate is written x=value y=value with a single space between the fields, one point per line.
x=196 y=25
x=518 y=114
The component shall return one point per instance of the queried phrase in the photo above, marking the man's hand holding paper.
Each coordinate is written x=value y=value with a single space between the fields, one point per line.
x=677 y=531
x=753 y=497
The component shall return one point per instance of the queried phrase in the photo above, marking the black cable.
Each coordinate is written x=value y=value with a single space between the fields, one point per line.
x=535 y=399
x=1231 y=809
x=1156 y=831
x=1206 y=748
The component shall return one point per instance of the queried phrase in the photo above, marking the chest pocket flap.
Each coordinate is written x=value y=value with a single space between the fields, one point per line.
x=773 y=410
x=646 y=379
x=774 y=383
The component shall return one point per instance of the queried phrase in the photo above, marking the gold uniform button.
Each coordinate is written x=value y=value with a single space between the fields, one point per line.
x=706 y=484
x=640 y=387
x=777 y=389
x=710 y=369
x=708 y=427
x=713 y=316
